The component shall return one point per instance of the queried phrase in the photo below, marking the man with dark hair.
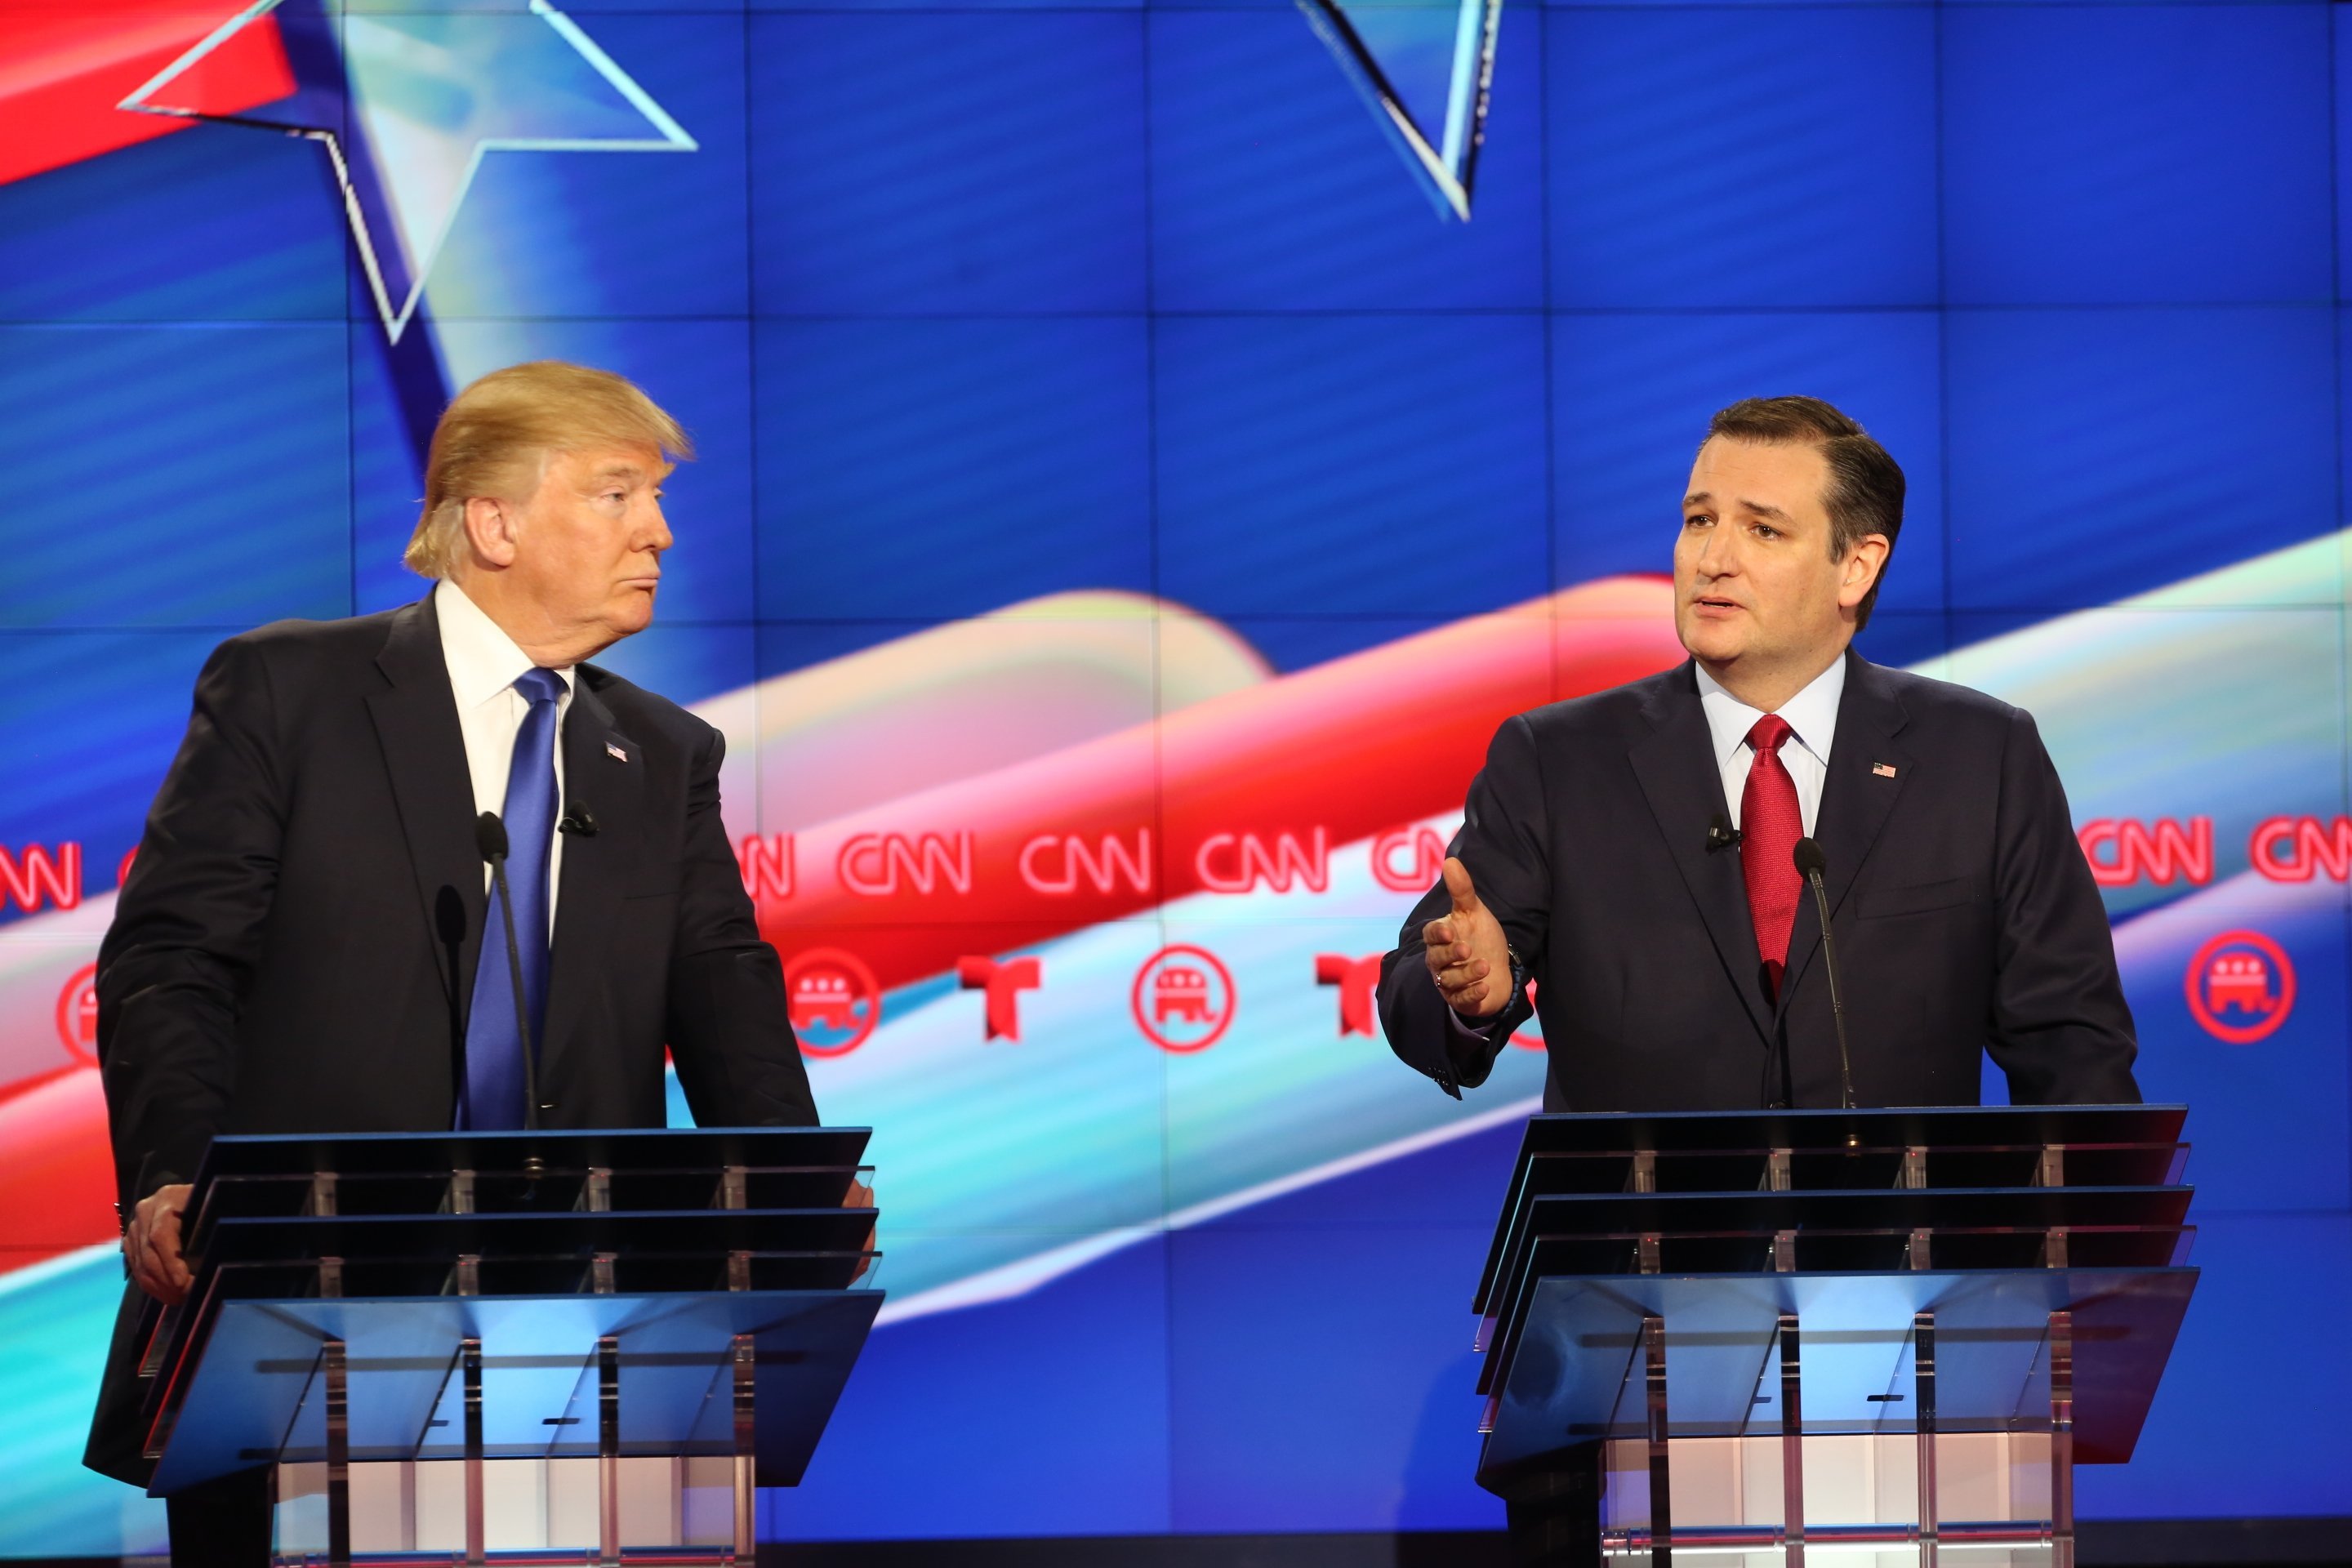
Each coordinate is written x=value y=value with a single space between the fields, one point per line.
x=1632 y=850
x=1863 y=492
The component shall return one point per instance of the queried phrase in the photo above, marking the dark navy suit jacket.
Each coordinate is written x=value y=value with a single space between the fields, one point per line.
x=1964 y=915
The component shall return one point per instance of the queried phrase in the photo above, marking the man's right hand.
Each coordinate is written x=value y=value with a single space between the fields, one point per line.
x=151 y=1245
x=1467 y=954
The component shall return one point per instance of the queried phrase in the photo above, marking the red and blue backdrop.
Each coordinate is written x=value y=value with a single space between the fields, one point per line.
x=1128 y=501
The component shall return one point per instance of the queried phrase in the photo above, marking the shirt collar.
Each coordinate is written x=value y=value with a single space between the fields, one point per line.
x=483 y=660
x=1812 y=714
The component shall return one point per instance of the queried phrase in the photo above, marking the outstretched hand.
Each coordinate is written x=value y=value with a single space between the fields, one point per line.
x=1467 y=954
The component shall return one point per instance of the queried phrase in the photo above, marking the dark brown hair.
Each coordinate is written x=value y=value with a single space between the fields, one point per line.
x=1865 y=489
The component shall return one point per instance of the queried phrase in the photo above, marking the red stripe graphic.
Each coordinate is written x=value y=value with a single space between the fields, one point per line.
x=1349 y=747
x=63 y=70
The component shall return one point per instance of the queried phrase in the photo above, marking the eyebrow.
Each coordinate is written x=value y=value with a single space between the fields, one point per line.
x=1701 y=497
x=619 y=472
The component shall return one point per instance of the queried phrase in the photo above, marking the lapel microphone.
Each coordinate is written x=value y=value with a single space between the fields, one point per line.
x=1720 y=834
x=580 y=822
x=1810 y=864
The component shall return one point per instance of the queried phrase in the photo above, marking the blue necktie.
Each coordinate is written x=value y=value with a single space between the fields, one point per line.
x=494 y=1076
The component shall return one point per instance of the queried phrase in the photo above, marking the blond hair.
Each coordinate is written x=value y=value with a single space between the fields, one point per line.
x=496 y=436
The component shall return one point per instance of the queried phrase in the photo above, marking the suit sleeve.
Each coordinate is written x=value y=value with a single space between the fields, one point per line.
x=1505 y=842
x=730 y=1030
x=188 y=929
x=2060 y=1029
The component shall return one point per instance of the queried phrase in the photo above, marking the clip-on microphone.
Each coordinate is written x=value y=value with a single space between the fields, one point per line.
x=1721 y=834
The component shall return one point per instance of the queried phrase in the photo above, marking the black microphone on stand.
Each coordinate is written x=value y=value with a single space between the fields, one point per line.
x=490 y=839
x=1810 y=864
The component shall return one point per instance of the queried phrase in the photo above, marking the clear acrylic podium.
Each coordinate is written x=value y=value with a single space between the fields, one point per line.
x=542 y=1347
x=1720 y=1339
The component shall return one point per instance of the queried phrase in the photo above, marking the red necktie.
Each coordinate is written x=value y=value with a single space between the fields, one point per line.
x=1770 y=827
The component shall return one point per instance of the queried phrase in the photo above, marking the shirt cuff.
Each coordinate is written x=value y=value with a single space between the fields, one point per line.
x=1484 y=1033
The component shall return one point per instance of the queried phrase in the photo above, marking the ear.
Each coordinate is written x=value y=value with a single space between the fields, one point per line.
x=1858 y=572
x=491 y=531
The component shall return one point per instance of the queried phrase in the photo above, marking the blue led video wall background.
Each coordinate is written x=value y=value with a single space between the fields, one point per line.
x=1062 y=372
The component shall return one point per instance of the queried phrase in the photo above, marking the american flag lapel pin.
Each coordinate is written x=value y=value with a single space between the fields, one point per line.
x=619 y=756
x=1883 y=770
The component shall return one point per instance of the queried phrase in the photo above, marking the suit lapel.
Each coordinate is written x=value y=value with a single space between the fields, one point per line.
x=604 y=773
x=1676 y=764
x=424 y=756
x=1857 y=795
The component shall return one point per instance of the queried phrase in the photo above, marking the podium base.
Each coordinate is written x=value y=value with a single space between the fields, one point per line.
x=679 y=1510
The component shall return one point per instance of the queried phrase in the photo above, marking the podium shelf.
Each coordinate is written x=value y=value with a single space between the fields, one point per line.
x=259 y=1395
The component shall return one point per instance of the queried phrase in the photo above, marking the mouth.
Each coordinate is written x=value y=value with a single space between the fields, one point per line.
x=1713 y=605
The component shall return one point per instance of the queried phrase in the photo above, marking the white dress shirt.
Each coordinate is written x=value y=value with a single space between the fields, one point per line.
x=484 y=664
x=1811 y=716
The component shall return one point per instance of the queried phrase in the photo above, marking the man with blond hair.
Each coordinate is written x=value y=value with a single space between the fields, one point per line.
x=300 y=946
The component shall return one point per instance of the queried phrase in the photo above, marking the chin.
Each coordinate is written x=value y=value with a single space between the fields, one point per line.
x=1703 y=641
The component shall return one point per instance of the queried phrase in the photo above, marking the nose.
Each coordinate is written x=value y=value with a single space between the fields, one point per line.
x=1718 y=557
x=658 y=540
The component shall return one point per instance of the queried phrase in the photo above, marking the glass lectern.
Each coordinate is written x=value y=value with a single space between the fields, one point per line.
x=550 y=1347
x=1718 y=1338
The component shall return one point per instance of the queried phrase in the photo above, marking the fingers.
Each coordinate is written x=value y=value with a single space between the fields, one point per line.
x=163 y=1249
x=1464 y=974
x=152 y=1246
x=1466 y=987
x=1458 y=887
x=151 y=1270
x=1443 y=947
x=861 y=1196
x=176 y=1272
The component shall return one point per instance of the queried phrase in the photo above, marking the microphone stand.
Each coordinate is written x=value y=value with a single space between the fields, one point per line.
x=1810 y=864
x=492 y=835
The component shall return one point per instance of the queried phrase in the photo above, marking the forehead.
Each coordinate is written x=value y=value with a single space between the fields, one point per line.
x=1790 y=476
x=587 y=464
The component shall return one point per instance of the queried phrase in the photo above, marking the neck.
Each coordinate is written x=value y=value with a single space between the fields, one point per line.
x=546 y=643
x=1769 y=688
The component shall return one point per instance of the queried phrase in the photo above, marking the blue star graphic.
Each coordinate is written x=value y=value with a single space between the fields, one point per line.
x=1425 y=68
x=407 y=107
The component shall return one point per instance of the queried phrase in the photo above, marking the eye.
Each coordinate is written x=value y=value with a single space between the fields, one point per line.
x=1766 y=531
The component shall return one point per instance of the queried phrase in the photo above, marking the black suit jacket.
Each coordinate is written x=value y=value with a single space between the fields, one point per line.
x=1965 y=917
x=277 y=962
